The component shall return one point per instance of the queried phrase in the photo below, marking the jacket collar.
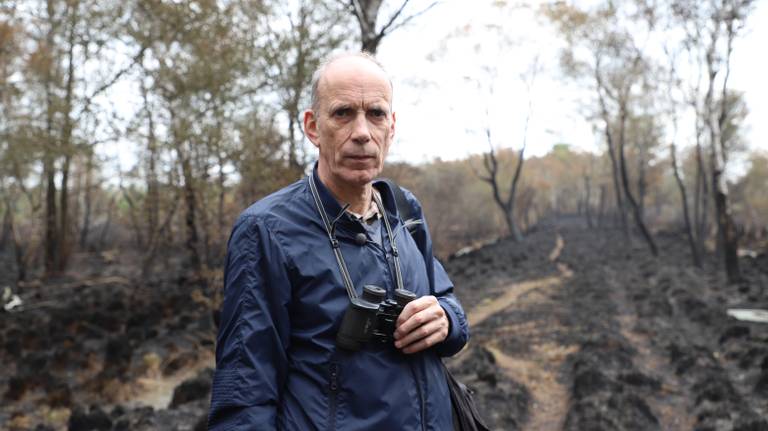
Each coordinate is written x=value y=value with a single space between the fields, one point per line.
x=333 y=207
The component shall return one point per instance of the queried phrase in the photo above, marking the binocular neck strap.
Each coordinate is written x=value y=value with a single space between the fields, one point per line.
x=332 y=238
x=395 y=255
x=335 y=243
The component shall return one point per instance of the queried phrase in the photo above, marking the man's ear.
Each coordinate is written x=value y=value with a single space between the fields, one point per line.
x=310 y=127
x=392 y=126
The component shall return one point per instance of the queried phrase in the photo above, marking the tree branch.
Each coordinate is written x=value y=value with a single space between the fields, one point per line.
x=390 y=27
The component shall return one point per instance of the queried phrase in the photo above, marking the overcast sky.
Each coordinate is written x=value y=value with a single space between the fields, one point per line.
x=442 y=88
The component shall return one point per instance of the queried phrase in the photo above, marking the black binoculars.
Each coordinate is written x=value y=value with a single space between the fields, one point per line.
x=372 y=317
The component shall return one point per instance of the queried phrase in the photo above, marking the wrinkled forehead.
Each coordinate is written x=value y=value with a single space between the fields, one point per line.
x=354 y=80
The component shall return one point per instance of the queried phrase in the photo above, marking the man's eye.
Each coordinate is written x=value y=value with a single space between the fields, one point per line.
x=378 y=113
x=342 y=112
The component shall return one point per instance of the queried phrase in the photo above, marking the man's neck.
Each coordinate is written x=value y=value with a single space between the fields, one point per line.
x=358 y=197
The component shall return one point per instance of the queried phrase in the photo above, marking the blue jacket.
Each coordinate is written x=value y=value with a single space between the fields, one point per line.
x=277 y=365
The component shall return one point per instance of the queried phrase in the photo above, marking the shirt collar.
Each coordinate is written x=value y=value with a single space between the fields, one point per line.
x=372 y=212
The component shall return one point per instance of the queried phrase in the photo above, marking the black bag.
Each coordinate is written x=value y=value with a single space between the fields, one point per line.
x=465 y=415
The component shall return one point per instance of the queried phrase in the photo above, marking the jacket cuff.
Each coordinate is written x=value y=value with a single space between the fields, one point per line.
x=458 y=333
x=232 y=409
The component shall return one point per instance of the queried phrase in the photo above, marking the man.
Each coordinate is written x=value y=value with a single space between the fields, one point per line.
x=278 y=365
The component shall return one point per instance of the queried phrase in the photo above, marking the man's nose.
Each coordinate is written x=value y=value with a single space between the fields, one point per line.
x=361 y=132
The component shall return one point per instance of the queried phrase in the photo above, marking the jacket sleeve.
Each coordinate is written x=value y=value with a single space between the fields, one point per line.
x=254 y=331
x=458 y=333
x=440 y=285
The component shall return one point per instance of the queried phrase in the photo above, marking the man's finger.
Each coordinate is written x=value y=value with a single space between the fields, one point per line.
x=419 y=333
x=428 y=314
x=414 y=307
x=425 y=343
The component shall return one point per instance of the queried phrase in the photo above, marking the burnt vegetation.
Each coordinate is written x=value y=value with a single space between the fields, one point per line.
x=602 y=288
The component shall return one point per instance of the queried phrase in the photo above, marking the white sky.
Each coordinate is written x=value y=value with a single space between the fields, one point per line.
x=441 y=65
x=442 y=112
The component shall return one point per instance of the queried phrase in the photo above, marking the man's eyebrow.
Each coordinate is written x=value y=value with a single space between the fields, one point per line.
x=377 y=106
x=339 y=105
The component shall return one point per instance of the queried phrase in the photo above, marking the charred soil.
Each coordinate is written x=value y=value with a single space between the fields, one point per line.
x=572 y=329
x=587 y=331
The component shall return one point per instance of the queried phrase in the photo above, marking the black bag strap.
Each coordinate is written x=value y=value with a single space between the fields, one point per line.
x=465 y=414
x=404 y=208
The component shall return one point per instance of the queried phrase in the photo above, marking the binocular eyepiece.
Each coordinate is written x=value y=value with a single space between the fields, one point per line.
x=372 y=317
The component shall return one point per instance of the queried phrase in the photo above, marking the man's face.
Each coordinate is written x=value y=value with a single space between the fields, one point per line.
x=353 y=125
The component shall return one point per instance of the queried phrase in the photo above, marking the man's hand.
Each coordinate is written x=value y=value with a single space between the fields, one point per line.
x=421 y=325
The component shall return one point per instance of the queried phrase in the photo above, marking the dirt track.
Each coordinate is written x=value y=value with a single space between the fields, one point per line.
x=571 y=330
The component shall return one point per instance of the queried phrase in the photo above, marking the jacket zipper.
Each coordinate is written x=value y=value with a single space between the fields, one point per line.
x=333 y=395
x=422 y=405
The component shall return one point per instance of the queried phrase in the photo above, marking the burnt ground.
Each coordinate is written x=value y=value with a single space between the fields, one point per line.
x=101 y=351
x=572 y=329
x=580 y=330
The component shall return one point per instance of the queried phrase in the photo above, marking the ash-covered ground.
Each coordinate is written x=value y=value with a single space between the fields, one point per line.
x=572 y=329
x=578 y=329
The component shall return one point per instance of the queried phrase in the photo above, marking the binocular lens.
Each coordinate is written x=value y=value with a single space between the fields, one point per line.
x=374 y=294
x=357 y=324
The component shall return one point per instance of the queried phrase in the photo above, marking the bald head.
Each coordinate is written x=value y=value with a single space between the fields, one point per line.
x=348 y=61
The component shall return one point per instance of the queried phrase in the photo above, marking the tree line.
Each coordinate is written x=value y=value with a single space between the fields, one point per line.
x=202 y=102
x=214 y=88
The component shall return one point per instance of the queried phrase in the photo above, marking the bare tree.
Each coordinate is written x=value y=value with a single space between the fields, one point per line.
x=726 y=21
x=673 y=82
x=684 y=201
x=507 y=206
x=366 y=12
x=491 y=163
x=606 y=117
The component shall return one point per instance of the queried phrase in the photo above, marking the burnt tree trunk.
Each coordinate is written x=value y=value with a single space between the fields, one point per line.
x=202 y=210
x=601 y=206
x=62 y=257
x=154 y=245
x=189 y=199
x=192 y=241
x=18 y=246
x=513 y=194
x=701 y=197
x=132 y=215
x=7 y=224
x=642 y=185
x=51 y=231
x=152 y=207
x=627 y=191
x=717 y=116
x=107 y=224
x=612 y=154
x=506 y=206
x=64 y=248
x=49 y=161
x=686 y=216
x=587 y=208
x=222 y=178
x=88 y=200
x=726 y=228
